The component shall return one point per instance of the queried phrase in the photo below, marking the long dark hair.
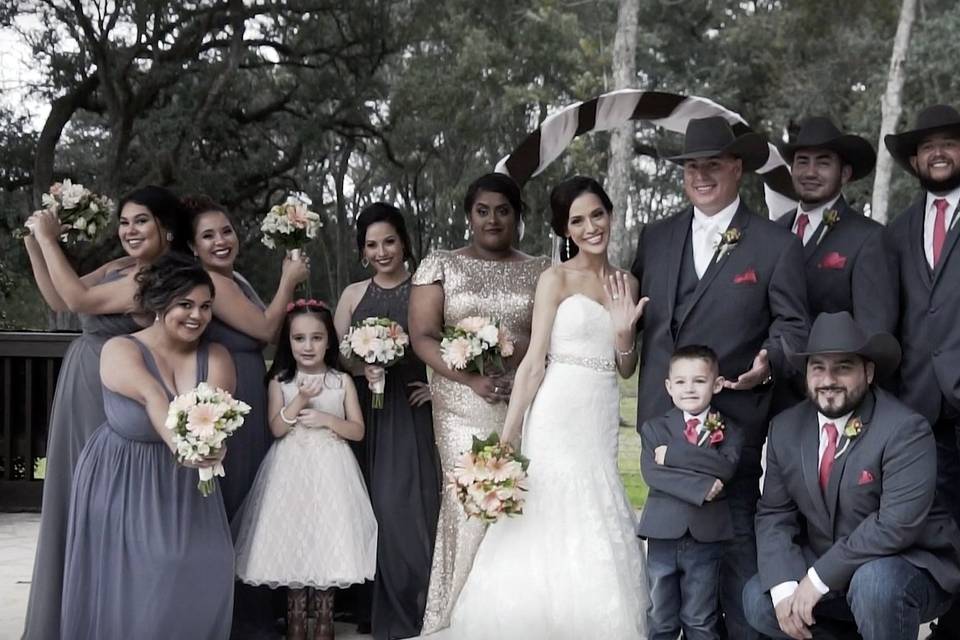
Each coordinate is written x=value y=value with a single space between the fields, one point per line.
x=284 y=365
x=383 y=212
x=167 y=210
x=562 y=197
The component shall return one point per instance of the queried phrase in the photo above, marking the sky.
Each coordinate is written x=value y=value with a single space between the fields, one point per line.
x=18 y=73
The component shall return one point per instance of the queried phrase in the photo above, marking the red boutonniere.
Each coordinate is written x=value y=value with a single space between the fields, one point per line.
x=728 y=240
x=833 y=260
x=713 y=428
x=747 y=277
x=830 y=218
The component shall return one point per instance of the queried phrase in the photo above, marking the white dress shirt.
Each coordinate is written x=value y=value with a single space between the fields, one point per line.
x=786 y=589
x=706 y=232
x=815 y=216
x=931 y=216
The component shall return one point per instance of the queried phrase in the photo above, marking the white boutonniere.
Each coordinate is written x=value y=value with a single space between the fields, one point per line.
x=728 y=240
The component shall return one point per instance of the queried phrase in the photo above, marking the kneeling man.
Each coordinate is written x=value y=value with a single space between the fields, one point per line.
x=846 y=526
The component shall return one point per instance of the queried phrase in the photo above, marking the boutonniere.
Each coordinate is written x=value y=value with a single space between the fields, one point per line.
x=830 y=218
x=850 y=433
x=713 y=428
x=728 y=240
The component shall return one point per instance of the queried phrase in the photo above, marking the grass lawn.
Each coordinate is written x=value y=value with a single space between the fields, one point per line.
x=630 y=443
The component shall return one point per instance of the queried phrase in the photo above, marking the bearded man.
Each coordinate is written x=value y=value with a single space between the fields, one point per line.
x=922 y=242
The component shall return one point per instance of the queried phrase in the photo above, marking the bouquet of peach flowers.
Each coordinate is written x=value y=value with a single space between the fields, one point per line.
x=82 y=213
x=290 y=225
x=376 y=341
x=489 y=480
x=475 y=344
x=201 y=420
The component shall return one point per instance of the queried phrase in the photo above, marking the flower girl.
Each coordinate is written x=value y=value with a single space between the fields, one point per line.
x=307 y=522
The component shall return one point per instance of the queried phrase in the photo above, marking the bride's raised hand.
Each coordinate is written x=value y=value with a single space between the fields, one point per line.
x=624 y=311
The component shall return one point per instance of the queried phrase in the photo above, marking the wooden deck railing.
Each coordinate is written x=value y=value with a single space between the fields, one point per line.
x=29 y=365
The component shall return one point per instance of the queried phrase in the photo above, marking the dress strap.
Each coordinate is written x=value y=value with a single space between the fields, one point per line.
x=203 y=361
x=151 y=362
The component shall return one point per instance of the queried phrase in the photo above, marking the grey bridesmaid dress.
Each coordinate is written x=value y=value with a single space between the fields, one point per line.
x=147 y=556
x=249 y=445
x=76 y=412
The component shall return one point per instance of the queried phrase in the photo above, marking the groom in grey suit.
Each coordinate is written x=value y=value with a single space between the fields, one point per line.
x=719 y=275
x=847 y=528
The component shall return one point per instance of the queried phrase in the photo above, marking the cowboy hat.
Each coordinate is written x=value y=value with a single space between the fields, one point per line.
x=713 y=136
x=839 y=333
x=820 y=133
x=903 y=146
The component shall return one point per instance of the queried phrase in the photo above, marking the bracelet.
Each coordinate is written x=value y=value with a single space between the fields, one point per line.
x=286 y=419
x=624 y=354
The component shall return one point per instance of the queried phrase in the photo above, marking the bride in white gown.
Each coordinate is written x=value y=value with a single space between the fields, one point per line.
x=571 y=566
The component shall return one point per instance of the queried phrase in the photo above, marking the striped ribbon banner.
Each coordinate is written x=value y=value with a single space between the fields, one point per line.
x=670 y=111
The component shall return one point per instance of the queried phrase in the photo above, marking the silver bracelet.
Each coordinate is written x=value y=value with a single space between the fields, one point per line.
x=286 y=419
x=624 y=354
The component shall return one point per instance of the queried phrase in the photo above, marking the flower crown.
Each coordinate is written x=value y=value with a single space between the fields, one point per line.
x=307 y=304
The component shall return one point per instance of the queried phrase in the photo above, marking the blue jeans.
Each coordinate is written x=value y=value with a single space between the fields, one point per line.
x=888 y=598
x=684 y=584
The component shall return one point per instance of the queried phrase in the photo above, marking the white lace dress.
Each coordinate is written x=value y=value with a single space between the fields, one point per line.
x=307 y=521
x=571 y=566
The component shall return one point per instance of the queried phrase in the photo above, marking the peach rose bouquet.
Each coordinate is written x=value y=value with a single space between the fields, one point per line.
x=377 y=341
x=489 y=480
x=476 y=344
x=201 y=421
x=290 y=225
x=83 y=214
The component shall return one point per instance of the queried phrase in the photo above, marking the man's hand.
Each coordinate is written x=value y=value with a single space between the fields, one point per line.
x=805 y=598
x=660 y=454
x=758 y=374
x=789 y=622
x=714 y=490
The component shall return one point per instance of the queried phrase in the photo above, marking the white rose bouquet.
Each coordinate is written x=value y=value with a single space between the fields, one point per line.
x=475 y=344
x=290 y=225
x=489 y=480
x=201 y=420
x=376 y=341
x=84 y=214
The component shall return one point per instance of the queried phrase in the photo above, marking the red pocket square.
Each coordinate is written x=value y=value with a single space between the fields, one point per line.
x=747 y=277
x=865 y=477
x=833 y=260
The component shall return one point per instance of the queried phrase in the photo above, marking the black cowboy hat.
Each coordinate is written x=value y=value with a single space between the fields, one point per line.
x=839 y=333
x=713 y=136
x=902 y=146
x=820 y=133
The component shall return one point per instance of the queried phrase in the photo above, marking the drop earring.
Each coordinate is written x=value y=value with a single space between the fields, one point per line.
x=169 y=237
x=364 y=263
x=568 y=246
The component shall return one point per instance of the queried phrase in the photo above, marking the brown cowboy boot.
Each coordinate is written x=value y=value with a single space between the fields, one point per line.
x=297 y=614
x=323 y=609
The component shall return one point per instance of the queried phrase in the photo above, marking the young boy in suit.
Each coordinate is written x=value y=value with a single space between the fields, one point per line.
x=687 y=455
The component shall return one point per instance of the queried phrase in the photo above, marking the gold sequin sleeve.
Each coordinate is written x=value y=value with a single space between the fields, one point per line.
x=430 y=271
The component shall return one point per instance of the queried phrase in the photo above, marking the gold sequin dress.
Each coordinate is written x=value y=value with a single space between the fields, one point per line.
x=471 y=287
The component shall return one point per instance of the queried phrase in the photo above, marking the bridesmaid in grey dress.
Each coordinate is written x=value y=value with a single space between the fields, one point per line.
x=398 y=455
x=244 y=325
x=150 y=220
x=147 y=555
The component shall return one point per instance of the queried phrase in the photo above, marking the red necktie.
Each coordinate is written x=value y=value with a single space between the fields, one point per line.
x=826 y=462
x=802 y=221
x=939 y=229
x=691 y=430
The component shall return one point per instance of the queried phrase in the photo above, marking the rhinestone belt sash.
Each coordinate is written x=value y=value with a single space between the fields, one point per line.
x=597 y=364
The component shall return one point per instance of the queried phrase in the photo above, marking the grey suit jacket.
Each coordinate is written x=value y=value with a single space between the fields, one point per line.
x=748 y=300
x=848 y=270
x=879 y=500
x=678 y=487
x=928 y=328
